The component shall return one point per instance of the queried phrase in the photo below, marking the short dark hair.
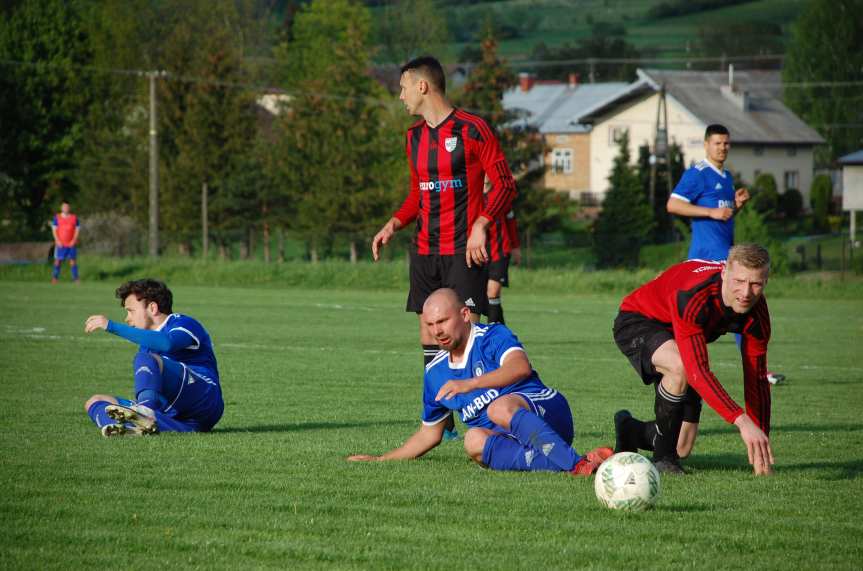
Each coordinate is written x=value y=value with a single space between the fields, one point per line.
x=715 y=129
x=148 y=290
x=430 y=69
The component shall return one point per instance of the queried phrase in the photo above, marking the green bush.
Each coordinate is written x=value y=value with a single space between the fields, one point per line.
x=791 y=203
x=750 y=226
x=766 y=196
x=820 y=197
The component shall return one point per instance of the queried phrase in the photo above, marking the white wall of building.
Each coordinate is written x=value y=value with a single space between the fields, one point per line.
x=750 y=161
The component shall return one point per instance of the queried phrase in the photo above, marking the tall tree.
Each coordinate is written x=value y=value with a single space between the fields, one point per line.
x=626 y=220
x=44 y=96
x=410 y=28
x=334 y=136
x=822 y=71
x=663 y=230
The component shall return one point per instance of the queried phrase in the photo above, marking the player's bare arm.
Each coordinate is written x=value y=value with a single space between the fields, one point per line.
x=384 y=235
x=757 y=445
x=423 y=440
x=515 y=368
x=95 y=322
x=475 y=252
x=683 y=208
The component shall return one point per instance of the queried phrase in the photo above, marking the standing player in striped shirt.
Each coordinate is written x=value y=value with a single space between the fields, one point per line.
x=503 y=248
x=450 y=152
x=664 y=327
x=65 y=227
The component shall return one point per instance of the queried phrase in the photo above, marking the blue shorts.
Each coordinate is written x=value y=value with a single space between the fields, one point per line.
x=552 y=407
x=65 y=253
x=198 y=404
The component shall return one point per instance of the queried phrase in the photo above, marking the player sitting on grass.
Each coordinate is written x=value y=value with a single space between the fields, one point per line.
x=664 y=327
x=176 y=377
x=515 y=422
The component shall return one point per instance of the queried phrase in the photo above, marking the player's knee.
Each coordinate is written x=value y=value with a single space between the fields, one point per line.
x=98 y=398
x=474 y=443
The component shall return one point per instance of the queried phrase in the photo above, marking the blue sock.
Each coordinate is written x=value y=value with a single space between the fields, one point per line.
x=75 y=272
x=148 y=381
x=503 y=452
x=97 y=414
x=534 y=432
x=55 y=273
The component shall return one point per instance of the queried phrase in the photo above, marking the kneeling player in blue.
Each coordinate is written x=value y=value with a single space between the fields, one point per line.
x=176 y=377
x=514 y=421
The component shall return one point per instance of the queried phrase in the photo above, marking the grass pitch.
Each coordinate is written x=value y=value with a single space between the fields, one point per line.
x=312 y=376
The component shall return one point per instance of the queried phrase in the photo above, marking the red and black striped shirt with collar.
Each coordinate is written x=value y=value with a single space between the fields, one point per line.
x=688 y=298
x=448 y=165
x=503 y=236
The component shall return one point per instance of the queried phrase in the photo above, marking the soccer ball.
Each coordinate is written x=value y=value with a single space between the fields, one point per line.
x=627 y=481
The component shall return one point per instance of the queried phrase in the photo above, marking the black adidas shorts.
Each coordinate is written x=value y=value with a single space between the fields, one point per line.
x=429 y=273
x=638 y=337
x=499 y=271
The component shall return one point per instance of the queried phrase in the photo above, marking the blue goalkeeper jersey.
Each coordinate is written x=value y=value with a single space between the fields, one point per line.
x=486 y=350
x=179 y=338
x=704 y=185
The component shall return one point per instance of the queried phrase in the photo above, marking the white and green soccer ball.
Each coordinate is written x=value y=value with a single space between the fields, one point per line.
x=627 y=481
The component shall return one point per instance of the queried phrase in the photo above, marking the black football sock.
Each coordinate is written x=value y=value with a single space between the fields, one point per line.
x=495 y=310
x=429 y=351
x=644 y=432
x=669 y=418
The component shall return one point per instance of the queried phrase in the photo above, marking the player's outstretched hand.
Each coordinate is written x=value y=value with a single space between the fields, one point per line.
x=757 y=446
x=95 y=322
x=363 y=458
x=453 y=388
x=721 y=213
x=383 y=236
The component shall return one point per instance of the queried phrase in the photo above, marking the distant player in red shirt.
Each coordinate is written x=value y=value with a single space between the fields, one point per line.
x=450 y=152
x=65 y=227
x=664 y=327
x=504 y=248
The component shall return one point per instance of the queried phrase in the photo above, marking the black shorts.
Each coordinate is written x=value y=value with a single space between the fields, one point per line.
x=499 y=271
x=638 y=337
x=429 y=273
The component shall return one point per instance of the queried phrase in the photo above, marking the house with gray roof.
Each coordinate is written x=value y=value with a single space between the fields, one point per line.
x=766 y=136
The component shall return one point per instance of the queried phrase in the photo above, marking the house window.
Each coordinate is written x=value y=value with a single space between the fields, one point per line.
x=792 y=151
x=589 y=199
x=792 y=180
x=615 y=135
x=759 y=151
x=561 y=161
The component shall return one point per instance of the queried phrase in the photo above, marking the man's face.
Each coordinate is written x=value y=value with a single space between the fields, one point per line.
x=64 y=208
x=411 y=92
x=742 y=287
x=716 y=147
x=449 y=325
x=138 y=313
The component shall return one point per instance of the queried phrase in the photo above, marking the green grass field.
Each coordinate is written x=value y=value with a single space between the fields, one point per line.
x=313 y=375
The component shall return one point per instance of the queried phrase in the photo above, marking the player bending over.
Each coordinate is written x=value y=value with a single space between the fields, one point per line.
x=176 y=377
x=664 y=327
x=515 y=422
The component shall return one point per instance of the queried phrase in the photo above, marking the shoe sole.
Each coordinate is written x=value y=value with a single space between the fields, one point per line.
x=111 y=430
x=143 y=425
x=619 y=418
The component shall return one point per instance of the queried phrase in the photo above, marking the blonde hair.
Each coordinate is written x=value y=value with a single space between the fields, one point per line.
x=751 y=256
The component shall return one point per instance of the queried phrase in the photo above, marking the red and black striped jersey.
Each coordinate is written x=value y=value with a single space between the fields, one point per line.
x=503 y=236
x=687 y=297
x=448 y=165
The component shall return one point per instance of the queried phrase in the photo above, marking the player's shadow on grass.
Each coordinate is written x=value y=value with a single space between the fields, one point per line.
x=301 y=426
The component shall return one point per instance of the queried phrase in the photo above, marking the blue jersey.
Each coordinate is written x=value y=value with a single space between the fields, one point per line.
x=179 y=338
x=486 y=350
x=703 y=185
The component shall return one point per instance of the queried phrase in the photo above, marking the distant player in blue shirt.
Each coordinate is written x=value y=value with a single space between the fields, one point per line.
x=176 y=377
x=482 y=374
x=706 y=194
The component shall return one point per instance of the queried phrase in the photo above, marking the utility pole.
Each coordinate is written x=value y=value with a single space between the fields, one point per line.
x=660 y=147
x=154 y=167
